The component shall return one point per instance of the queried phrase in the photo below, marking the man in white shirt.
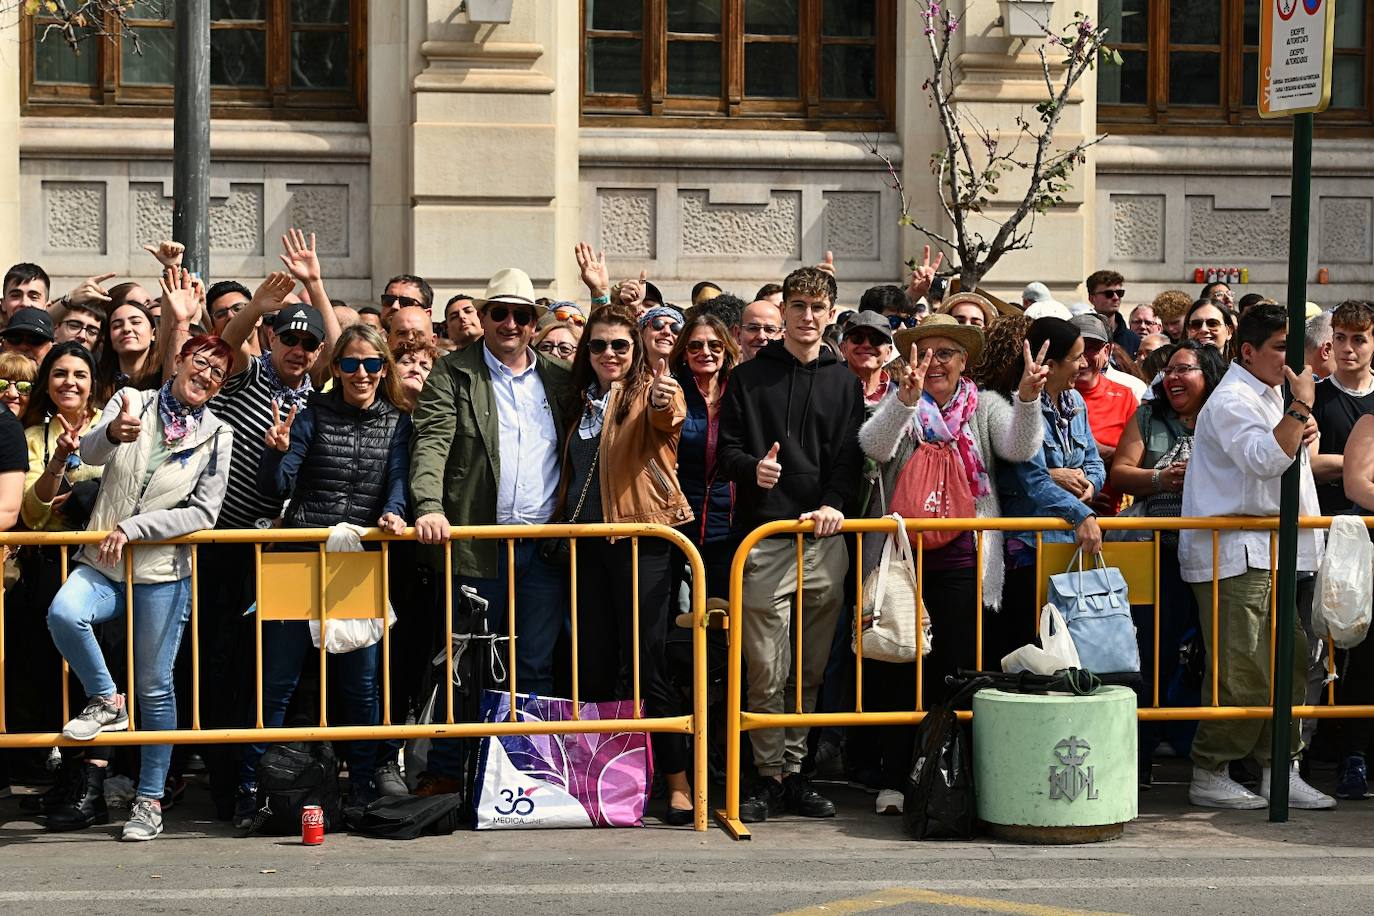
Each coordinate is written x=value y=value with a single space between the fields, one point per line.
x=1246 y=439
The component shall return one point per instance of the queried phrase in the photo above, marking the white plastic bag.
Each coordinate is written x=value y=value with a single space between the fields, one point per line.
x=347 y=635
x=1058 y=653
x=1343 y=591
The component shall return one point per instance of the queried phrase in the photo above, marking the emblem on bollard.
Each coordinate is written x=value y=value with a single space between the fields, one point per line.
x=1070 y=778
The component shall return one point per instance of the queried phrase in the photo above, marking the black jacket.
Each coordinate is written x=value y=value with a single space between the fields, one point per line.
x=814 y=412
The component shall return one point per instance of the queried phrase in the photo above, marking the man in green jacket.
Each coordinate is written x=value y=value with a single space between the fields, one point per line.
x=485 y=451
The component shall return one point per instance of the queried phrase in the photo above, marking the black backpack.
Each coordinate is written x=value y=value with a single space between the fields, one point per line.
x=406 y=817
x=291 y=776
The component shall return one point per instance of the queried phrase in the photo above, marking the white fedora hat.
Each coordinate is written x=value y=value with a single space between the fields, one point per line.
x=510 y=286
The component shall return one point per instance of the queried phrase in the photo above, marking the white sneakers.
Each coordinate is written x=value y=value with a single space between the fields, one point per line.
x=890 y=802
x=1300 y=794
x=1216 y=789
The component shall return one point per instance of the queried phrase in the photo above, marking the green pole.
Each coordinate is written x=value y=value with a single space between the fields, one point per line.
x=1281 y=751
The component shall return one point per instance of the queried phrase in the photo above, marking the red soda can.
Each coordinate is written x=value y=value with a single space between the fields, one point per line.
x=312 y=825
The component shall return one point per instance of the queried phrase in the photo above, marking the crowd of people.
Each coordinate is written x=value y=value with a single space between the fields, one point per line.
x=149 y=414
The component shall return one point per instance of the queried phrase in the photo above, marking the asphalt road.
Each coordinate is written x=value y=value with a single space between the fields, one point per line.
x=1174 y=859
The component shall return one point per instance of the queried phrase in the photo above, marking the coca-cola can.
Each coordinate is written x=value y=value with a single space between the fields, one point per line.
x=312 y=825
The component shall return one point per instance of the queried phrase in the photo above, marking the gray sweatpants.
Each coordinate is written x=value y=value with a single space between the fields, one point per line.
x=770 y=586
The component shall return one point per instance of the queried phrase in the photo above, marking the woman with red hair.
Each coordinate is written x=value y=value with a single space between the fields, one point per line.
x=166 y=461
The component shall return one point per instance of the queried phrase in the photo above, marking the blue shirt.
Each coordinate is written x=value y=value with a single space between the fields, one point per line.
x=527 y=463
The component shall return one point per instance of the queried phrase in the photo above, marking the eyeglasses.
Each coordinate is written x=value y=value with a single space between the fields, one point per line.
x=659 y=324
x=371 y=364
x=941 y=356
x=1179 y=370
x=902 y=321
x=1111 y=293
x=770 y=330
x=77 y=326
x=291 y=339
x=561 y=350
x=402 y=301
x=1212 y=324
x=499 y=314
x=696 y=346
x=619 y=346
x=1145 y=323
x=870 y=336
x=21 y=388
x=572 y=315
x=201 y=364
x=221 y=314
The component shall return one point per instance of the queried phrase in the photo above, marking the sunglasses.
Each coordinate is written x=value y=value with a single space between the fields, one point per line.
x=22 y=388
x=902 y=321
x=499 y=314
x=304 y=341
x=696 y=346
x=868 y=336
x=371 y=364
x=659 y=324
x=575 y=317
x=620 y=346
x=1111 y=293
x=402 y=301
x=1197 y=324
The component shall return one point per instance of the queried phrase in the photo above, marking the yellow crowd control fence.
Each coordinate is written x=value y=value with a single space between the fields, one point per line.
x=318 y=585
x=1139 y=562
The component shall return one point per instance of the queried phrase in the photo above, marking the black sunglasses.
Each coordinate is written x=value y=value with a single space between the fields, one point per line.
x=870 y=336
x=597 y=346
x=499 y=313
x=659 y=324
x=304 y=341
x=403 y=301
x=349 y=364
x=902 y=321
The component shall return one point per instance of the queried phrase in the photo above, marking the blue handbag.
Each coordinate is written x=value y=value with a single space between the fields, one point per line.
x=1095 y=607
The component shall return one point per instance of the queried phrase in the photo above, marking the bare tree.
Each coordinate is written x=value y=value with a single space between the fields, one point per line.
x=76 y=21
x=975 y=160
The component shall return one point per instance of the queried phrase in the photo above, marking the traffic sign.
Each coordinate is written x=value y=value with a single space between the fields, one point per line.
x=1295 y=56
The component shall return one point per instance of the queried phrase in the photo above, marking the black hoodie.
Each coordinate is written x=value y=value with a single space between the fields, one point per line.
x=813 y=411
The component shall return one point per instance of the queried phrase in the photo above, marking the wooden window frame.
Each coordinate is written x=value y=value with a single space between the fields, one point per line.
x=809 y=111
x=1157 y=116
x=276 y=101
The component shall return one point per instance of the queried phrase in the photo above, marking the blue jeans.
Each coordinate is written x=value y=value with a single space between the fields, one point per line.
x=541 y=608
x=286 y=649
x=160 y=614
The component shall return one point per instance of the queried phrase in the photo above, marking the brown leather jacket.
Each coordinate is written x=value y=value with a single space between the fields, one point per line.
x=638 y=463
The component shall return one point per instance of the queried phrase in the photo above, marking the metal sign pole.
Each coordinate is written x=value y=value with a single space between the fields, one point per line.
x=1281 y=750
x=191 y=135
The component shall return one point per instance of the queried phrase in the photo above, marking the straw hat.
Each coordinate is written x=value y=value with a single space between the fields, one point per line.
x=989 y=310
x=511 y=286
x=967 y=336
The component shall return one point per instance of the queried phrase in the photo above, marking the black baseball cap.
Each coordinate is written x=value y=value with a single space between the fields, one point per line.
x=29 y=320
x=302 y=319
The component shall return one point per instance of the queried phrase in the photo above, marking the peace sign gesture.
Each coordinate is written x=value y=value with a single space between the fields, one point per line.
x=69 y=441
x=1034 y=376
x=279 y=433
x=924 y=275
x=914 y=378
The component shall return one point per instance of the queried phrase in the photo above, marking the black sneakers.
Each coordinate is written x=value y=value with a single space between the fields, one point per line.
x=800 y=797
x=766 y=800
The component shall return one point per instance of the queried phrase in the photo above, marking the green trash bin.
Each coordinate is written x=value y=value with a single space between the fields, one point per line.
x=1055 y=769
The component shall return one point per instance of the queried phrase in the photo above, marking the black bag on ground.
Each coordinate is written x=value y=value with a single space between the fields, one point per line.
x=406 y=817
x=291 y=776
x=940 y=801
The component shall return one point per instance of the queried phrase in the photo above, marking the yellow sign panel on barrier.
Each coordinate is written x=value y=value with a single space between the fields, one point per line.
x=291 y=585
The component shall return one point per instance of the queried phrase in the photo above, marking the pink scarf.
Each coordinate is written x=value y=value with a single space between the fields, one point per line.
x=950 y=424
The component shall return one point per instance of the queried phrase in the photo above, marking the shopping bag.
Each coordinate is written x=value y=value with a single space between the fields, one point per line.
x=1343 y=588
x=933 y=484
x=1056 y=651
x=940 y=802
x=891 y=606
x=582 y=780
x=1095 y=607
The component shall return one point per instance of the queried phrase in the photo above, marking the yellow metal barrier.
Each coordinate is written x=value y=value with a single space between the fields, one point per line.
x=1139 y=562
x=306 y=585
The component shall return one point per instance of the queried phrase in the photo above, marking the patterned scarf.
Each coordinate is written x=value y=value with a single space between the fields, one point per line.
x=285 y=396
x=178 y=420
x=1065 y=407
x=589 y=427
x=950 y=424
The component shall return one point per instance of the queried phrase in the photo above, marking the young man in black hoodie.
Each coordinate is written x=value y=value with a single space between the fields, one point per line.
x=789 y=439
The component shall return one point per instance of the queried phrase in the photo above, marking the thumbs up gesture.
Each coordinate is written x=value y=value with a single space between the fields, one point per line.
x=769 y=470
x=125 y=427
x=278 y=435
x=663 y=388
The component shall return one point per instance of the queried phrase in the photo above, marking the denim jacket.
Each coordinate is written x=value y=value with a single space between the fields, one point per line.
x=1027 y=490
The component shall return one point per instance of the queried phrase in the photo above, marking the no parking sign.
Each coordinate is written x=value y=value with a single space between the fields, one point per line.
x=1295 y=56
